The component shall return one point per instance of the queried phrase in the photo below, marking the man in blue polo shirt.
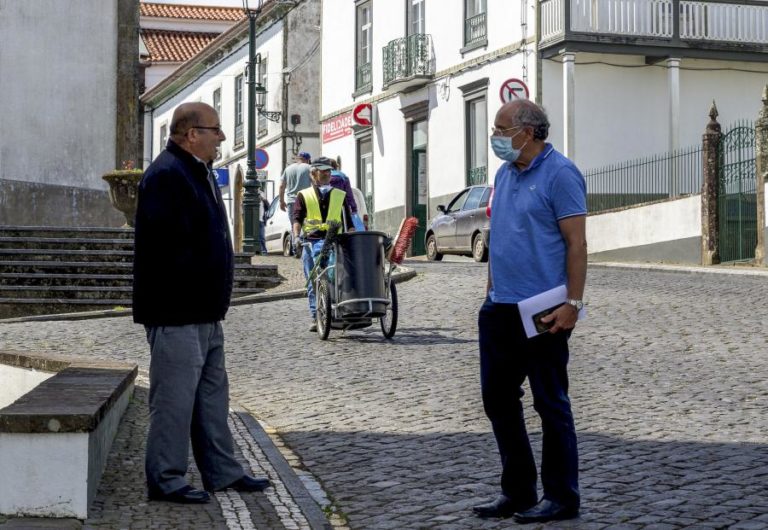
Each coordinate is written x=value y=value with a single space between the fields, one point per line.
x=537 y=242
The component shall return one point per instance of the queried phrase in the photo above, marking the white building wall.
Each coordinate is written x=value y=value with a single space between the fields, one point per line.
x=157 y=72
x=622 y=111
x=58 y=90
x=337 y=55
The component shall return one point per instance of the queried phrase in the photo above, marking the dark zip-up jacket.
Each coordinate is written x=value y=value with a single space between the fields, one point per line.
x=183 y=266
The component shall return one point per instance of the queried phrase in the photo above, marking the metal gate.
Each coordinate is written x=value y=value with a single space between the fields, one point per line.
x=737 y=202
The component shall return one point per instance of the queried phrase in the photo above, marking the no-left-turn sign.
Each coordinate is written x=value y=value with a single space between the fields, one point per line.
x=513 y=89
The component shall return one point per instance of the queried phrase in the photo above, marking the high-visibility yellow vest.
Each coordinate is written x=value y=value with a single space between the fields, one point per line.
x=314 y=219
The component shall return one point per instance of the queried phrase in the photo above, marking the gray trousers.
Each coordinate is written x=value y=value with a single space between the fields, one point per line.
x=188 y=398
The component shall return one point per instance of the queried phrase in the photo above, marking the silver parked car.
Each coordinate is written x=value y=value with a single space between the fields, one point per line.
x=462 y=226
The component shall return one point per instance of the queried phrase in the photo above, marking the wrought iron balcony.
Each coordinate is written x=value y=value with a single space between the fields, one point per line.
x=408 y=62
x=475 y=31
x=477 y=175
x=363 y=78
x=738 y=25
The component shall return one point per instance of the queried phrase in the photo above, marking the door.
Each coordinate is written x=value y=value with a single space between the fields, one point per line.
x=468 y=218
x=445 y=227
x=419 y=184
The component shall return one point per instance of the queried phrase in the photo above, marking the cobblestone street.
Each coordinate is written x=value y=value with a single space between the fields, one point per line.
x=669 y=383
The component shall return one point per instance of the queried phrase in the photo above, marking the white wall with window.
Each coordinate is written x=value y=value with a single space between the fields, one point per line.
x=224 y=88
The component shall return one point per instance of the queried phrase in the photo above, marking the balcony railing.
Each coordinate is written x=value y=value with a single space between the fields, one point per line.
x=698 y=20
x=475 y=30
x=363 y=79
x=477 y=175
x=408 y=61
x=724 y=22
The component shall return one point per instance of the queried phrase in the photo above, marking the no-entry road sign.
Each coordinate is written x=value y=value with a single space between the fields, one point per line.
x=363 y=114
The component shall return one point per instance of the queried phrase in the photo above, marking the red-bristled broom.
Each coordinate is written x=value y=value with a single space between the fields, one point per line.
x=402 y=241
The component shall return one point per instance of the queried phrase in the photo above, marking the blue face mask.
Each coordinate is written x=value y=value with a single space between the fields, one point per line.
x=324 y=189
x=502 y=147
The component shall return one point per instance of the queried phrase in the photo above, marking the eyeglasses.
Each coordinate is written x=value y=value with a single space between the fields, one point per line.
x=217 y=130
x=500 y=131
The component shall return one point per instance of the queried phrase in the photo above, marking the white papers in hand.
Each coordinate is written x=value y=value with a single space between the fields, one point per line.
x=542 y=302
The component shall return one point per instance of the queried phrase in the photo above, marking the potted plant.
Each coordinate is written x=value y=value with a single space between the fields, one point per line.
x=123 y=190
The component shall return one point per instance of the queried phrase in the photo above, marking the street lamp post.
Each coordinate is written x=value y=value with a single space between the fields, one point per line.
x=251 y=201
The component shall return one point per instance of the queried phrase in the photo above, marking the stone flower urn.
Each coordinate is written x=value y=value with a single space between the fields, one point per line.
x=123 y=192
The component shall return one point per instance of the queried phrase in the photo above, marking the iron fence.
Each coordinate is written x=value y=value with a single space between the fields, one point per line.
x=363 y=77
x=477 y=175
x=666 y=175
x=475 y=30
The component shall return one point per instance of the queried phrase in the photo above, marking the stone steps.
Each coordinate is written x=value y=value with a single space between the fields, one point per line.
x=47 y=270
x=65 y=243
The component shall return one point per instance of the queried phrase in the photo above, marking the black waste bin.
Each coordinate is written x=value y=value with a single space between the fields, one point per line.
x=360 y=274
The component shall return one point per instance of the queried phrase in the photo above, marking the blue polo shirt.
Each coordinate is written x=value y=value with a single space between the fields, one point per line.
x=527 y=250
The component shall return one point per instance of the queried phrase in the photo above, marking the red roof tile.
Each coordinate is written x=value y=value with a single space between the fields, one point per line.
x=191 y=12
x=174 y=46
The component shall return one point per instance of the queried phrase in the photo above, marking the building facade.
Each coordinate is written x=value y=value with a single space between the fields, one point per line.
x=69 y=100
x=287 y=46
x=172 y=34
x=436 y=72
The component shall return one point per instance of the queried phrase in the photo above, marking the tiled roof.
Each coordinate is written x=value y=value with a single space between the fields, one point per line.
x=191 y=12
x=174 y=46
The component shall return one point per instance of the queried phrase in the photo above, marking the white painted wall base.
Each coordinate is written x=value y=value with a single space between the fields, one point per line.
x=645 y=225
x=56 y=474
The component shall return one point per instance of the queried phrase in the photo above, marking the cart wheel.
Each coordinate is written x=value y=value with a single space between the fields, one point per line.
x=389 y=320
x=323 y=309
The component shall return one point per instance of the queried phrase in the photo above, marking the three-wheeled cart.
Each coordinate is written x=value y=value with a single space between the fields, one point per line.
x=356 y=288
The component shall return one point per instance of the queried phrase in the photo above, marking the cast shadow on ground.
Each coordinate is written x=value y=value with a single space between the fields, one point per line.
x=410 y=335
x=436 y=479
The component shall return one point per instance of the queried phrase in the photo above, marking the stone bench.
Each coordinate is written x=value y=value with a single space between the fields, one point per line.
x=55 y=438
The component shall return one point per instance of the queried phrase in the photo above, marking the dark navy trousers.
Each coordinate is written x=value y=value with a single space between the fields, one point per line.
x=507 y=357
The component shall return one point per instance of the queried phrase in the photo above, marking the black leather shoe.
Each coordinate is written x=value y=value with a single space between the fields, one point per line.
x=547 y=510
x=185 y=495
x=247 y=483
x=502 y=507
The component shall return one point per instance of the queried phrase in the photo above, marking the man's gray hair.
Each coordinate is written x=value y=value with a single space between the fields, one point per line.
x=529 y=114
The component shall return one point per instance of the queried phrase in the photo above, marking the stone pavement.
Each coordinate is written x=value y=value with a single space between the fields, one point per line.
x=669 y=380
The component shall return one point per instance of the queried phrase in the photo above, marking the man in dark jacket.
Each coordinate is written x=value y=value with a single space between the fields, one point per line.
x=183 y=275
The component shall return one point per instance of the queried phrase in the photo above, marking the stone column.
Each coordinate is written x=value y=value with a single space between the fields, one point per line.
x=710 y=221
x=127 y=126
x=761 y=174
x=673 y=80
x=569 y=105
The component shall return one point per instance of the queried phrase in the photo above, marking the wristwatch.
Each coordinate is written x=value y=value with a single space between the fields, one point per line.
x=578 y=304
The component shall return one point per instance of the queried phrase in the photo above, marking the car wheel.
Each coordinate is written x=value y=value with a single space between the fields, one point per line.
x=287 y=245
x=432 y=253
x=479 y=250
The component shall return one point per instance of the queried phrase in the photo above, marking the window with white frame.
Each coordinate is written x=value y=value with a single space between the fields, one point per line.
x=363 y=78
x=475 y=31
x=163 y=136
x=217 y=101
x=238 y=136
x=477 y=140
x=261 y=77
x=217 y=107
x=415 y=14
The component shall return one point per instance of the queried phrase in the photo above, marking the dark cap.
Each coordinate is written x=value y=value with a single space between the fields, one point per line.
x=304 y=156
x=322 y=162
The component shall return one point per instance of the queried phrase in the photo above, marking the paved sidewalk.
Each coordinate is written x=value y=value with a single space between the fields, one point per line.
x=669 y=381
